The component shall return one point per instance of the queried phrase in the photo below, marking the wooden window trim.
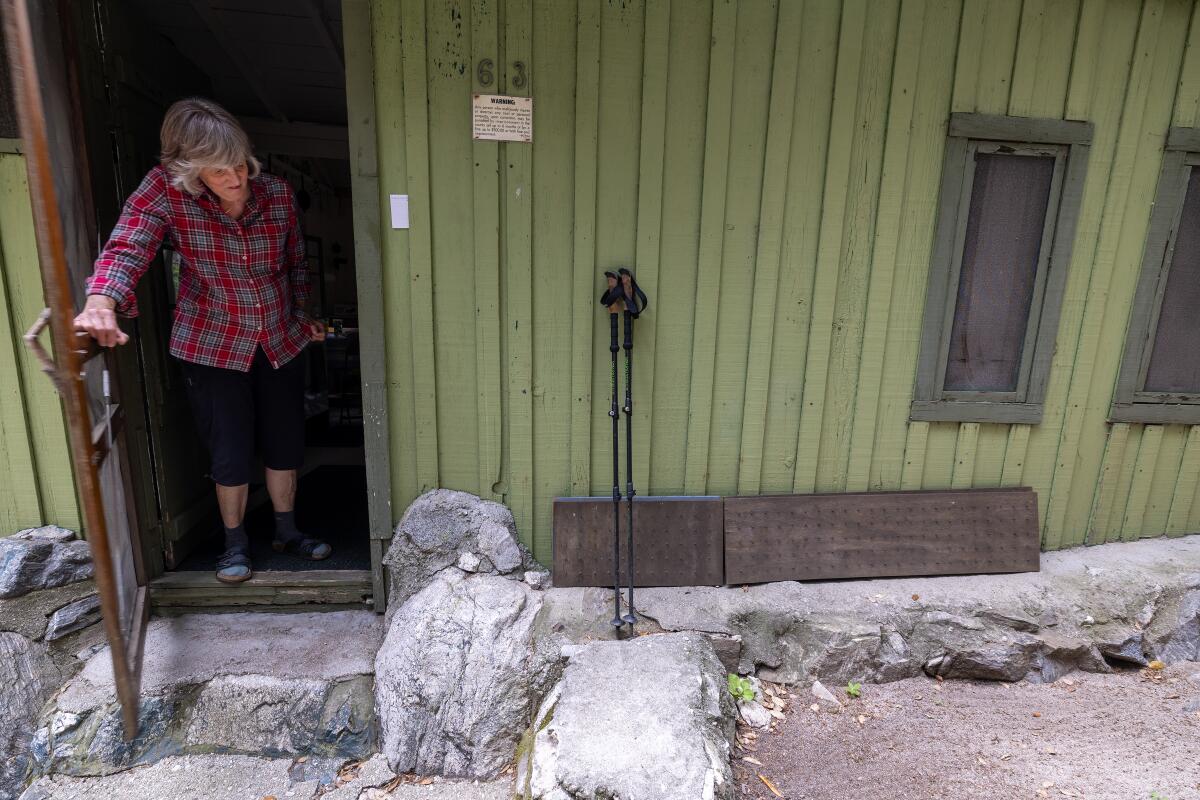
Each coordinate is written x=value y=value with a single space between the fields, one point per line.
x=1069 y=141
x=1130 y=402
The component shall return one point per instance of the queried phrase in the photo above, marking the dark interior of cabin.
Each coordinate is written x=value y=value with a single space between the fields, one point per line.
x=278 y=66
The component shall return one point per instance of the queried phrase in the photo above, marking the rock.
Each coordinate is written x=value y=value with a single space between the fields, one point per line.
x=185 y=777
x=458 y=676
x=29 y=613
x=39 y=559
x=824 y=695
x=1121 y=643
x=28 y=677
x=753 y=713
x=728 y=650
x=248 y=684
x=371 y=773
x=73 y=617
x=538 y=579
x=256 y=714
x=662 y=736
x=1174 y=634
x=438 y=529
x=1192 y=706
x=469 y=562
x=1124 y=602
x=47 y=533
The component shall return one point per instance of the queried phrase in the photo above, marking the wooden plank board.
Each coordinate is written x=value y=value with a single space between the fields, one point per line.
x=678 y=541
x=884 y=534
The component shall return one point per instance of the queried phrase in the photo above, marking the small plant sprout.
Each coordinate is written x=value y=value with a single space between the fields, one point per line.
x=854 y=689
x=1157 y=796
x=741 y=688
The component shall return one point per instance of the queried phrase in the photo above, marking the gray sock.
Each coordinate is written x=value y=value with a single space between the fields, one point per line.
x=285 y=526
x=236 y=537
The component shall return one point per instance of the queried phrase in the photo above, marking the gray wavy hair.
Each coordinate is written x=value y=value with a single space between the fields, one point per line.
x=196 y=134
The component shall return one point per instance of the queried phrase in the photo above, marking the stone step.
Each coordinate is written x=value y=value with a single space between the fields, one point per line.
x=253 y=684
x=644 y=719
x=232 y=777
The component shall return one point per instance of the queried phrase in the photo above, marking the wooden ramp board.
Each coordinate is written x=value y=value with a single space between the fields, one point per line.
x=880 y=534
x=678 y=541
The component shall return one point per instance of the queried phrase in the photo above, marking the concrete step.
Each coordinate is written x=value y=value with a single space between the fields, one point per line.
x=254 y=684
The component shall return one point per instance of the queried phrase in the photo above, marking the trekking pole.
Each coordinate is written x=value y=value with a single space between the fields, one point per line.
x=612 y=299
x=635 y=304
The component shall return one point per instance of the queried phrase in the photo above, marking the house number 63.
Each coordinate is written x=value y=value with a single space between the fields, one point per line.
x=485 y=73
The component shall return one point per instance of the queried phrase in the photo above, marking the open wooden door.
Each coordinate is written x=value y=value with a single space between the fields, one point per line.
x=82 y=376
x=129 y=76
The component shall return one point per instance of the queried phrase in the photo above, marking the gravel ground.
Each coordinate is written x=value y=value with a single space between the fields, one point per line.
x=1132 y=735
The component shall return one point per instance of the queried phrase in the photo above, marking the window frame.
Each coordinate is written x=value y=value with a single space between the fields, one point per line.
x=1068 y=141
x=1131 y=403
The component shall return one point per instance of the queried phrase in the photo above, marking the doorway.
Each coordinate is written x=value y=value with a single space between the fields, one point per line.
x=278 y=66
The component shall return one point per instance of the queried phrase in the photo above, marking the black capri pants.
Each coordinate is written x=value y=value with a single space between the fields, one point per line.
x=235 y=410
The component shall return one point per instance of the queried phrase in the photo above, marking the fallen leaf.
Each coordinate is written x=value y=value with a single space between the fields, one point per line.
x=426 y=781
x=1037 y=713
x=301 y=759
x=752 y=760
x=982 y=761
x=1042 y=793
x=815 y=707
x=1006 y=757
x=268 y=797
x=777 y=714
x=769 y=785
x=940 y=678
x=1156 y=665
x=1047 y=784
x=916 y=597
x=862 y=718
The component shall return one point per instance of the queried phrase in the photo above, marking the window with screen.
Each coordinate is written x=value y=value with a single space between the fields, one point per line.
x=1160 y=371
x=1009 y=198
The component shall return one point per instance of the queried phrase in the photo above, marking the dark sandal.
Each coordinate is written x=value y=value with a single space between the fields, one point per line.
x=304 y=547
x=234 y=566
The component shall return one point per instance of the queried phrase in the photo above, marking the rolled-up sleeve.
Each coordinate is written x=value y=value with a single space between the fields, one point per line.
x=297 y=256
x=133 y=244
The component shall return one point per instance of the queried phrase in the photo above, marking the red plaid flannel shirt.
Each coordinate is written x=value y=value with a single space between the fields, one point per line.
x=242 y=283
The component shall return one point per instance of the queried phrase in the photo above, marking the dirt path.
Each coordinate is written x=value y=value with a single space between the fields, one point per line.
x=1127 y=736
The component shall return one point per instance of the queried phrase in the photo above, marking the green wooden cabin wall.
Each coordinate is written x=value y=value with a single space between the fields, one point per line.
x=772 y=170
x=36 y=483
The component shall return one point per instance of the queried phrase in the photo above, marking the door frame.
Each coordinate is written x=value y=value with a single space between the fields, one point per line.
x=360 y=105
x=359 y=47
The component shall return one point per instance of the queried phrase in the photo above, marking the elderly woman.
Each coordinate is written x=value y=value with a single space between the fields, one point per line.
x=239 y=317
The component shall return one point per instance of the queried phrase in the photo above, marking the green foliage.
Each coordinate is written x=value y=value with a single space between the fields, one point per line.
x=854 y=689
x=741 y=688
x=1157 y=796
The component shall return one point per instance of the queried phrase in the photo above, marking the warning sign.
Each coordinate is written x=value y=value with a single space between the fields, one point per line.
x=500 y=118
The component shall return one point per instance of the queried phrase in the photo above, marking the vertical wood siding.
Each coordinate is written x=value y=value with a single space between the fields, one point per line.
x=36 y=484
x=772 y=171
